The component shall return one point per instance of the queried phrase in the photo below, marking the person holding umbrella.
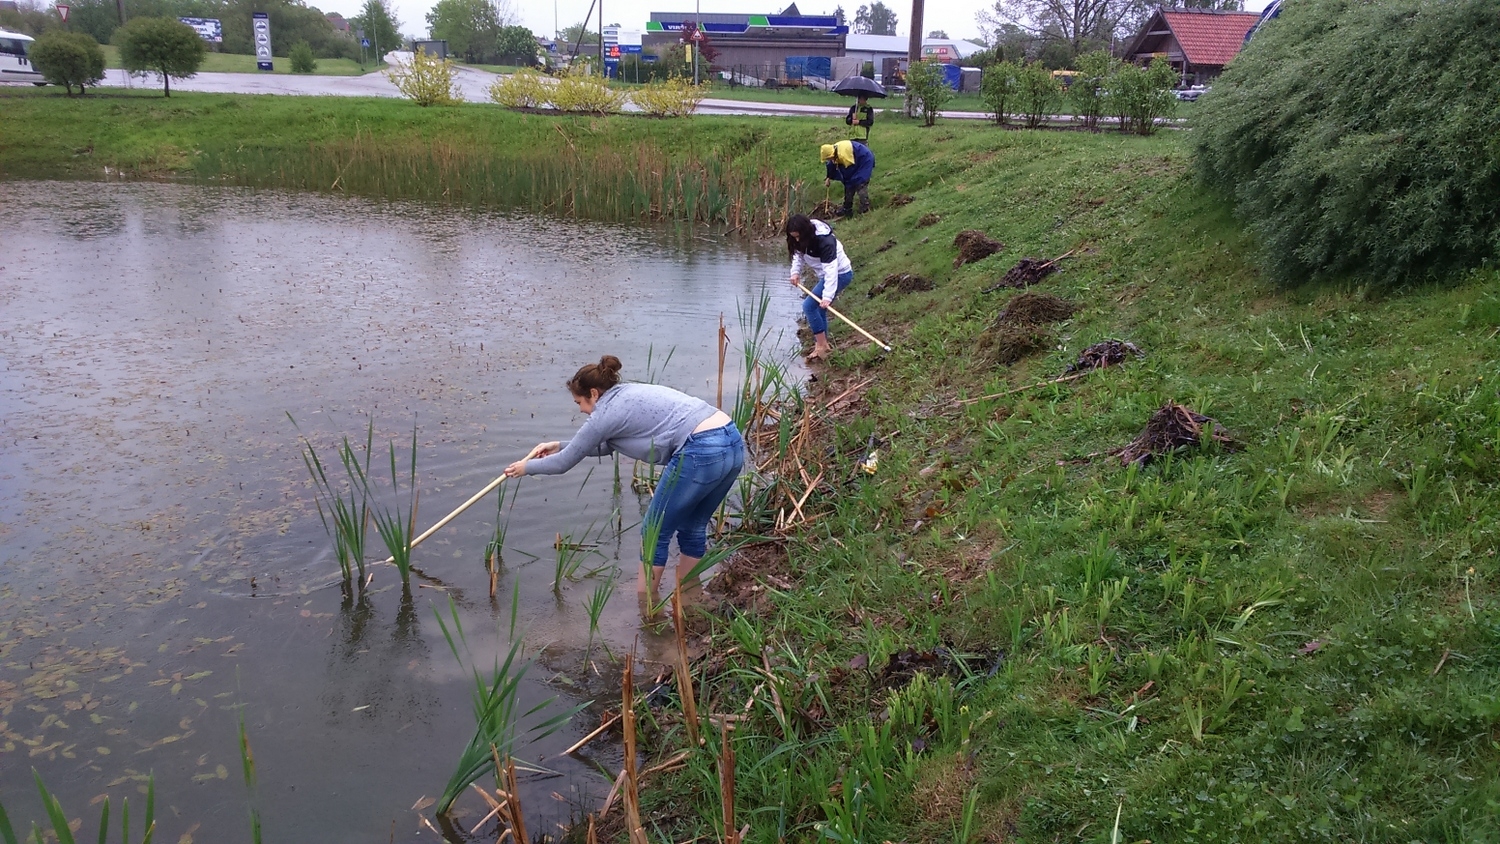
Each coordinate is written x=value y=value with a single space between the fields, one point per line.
x=852 y=163
x=860 y=114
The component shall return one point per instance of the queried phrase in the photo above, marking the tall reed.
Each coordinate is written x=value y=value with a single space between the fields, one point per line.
x=614 y=181
x=397 y=527
x=247 y=763
x=594 y=606
x=63 y=829
x=497 y=711
x=343 y=508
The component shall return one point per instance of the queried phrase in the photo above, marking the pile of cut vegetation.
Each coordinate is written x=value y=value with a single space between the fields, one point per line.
x=1026 y=272
x=974 y=245
x=1021 y=329
x=902 y=283
x=1170 y=429
x=1106 y=353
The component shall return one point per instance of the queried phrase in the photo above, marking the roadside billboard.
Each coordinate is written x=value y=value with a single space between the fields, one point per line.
x=261 y=25
x=208 y=29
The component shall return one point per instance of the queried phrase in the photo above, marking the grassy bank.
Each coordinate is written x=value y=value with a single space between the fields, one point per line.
x=235 y=63
x=1003 y=633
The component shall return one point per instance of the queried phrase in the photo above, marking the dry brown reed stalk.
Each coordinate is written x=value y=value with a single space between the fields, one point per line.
x=684 y=671
x=765 y=660
x=726 y=786
x=1059 y=380
x=614 y=791
x=632 y=792
x=494 y=566
x=608 y=722
x=592 y=837
x=671 y=764
x=512 y=803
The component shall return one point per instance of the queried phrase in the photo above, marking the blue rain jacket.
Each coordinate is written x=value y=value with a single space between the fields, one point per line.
x=857 y=173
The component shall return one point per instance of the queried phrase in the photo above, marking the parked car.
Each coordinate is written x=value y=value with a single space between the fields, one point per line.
x=1190 y=93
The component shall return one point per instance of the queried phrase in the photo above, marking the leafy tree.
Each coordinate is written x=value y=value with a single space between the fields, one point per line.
x=577 y=34
x=1142 y=95
x=927 y=89
x=516 y=45
x=1087 y=93
x=1077 y=24
x=1037 y=92
x=165 y=46
x=838 y=15
x=471 y=27
x=875 y=19
x=302 y=58
x=1359 y=139
x=998 y=89
x=380 y=26
x=68 y=59
x=938 y=33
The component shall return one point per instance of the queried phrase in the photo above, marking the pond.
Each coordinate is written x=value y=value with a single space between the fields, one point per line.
x=163 y=569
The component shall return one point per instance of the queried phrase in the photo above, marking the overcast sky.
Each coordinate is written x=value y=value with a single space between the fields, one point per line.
x=956 y=17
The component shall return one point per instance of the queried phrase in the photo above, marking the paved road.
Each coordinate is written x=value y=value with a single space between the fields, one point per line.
x=473 y=85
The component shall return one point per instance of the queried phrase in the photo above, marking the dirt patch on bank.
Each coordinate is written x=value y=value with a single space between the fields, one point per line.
x=1026 y=272
x=742 y=580
x=901 y=199
x=1106 y=353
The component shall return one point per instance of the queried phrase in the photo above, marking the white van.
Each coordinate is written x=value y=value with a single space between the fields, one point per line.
x=15 y=61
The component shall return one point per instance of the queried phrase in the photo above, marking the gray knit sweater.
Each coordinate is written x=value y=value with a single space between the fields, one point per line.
x=643 y=421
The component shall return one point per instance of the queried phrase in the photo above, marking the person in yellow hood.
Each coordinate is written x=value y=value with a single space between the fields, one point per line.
x=852 y=163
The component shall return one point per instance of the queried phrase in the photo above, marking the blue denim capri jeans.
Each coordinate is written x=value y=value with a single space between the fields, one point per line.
x=817 y=318
x=693 y=484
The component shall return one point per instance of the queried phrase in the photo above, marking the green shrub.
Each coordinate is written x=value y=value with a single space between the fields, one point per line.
x=998 y=89
x=1037 y=92
x=302 y=58
x=1141 y=96
x=523 y=89
x=68 y=59
x=427 y=80
x=927 y=89
x=1360 y=139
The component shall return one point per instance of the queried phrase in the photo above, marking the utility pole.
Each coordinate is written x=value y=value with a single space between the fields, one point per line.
x=913 y=51
x=601 y=40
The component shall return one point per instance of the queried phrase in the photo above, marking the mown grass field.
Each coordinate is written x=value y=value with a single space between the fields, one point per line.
x=236 y=63
x=1291 y=638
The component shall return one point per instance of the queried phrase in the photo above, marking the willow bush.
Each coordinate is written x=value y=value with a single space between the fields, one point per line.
x=669 y=98
x=523 y=89
x=1359 y=139
x=426 y=80
x=581 y=92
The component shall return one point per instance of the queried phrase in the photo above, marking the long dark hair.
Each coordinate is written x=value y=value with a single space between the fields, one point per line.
x=599 y=376
x=803 y=226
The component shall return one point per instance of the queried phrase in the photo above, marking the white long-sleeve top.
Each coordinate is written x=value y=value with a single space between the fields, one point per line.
x=825 y=257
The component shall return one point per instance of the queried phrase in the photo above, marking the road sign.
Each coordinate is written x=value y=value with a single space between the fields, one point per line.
x=364 y=42
x=62 y=11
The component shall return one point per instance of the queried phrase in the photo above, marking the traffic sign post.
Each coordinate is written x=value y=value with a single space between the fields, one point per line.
x=62 y=11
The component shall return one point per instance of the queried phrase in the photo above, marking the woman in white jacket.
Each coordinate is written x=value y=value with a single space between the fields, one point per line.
x=813 y=246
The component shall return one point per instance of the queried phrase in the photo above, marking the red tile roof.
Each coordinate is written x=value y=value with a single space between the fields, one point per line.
x=1209 y=38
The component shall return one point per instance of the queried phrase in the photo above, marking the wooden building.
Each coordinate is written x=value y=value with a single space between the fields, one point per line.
x=1198 y=43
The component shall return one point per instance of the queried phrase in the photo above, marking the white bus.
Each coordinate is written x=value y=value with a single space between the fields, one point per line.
x=15 y=66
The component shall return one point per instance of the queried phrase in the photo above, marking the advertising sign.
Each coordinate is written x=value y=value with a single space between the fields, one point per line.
x=262 y=29
x=207 y=28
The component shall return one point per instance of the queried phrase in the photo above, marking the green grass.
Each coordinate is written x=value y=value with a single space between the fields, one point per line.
x=235 y=63
x=1294 y=639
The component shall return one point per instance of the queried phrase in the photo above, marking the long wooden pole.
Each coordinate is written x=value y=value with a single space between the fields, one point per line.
x=847 y=320
x=451 y=516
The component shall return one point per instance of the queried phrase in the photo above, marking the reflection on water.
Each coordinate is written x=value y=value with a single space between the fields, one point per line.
x=162 y=568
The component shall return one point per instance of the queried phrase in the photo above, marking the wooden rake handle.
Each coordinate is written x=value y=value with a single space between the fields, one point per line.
x=847 y=320
x=451 y=516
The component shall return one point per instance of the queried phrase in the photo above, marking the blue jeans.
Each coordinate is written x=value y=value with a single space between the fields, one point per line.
x=693 y=484
x=817 y=318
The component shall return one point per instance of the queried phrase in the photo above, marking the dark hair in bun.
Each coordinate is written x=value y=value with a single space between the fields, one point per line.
x=599 y=376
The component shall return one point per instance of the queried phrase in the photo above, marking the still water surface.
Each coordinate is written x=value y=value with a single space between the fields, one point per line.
x=162 y=568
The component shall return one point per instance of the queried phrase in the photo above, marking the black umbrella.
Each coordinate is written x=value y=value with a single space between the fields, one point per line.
x=858 y=86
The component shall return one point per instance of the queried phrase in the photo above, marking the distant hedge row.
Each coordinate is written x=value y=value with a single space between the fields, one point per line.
x=1363 y=138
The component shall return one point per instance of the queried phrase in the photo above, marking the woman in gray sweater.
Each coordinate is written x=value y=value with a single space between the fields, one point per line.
x=699 y=444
